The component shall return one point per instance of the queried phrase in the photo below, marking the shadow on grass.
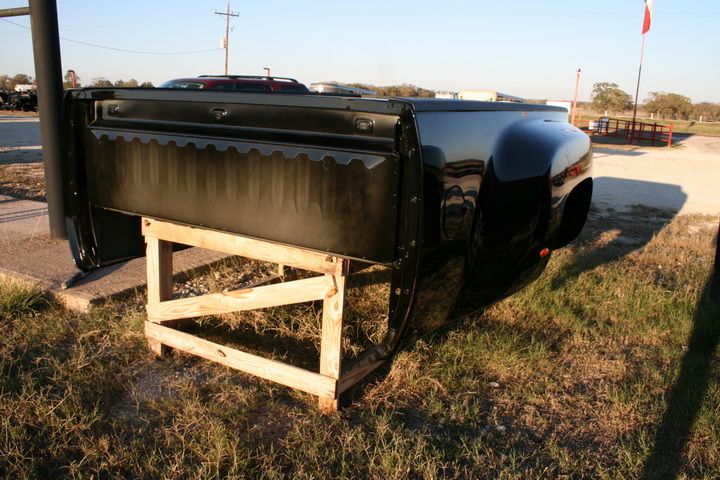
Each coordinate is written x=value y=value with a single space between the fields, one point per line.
x=686 y=397
x=617 y=233
x=22 y=193
x=628 y=238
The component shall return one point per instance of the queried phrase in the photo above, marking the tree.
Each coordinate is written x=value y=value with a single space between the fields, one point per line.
x=674 y=105
x=5 y=82
x=101 y=82
x=710 y=112
x=8 y=83
x=404 y=90
x=608 y=96
x=132 y=83
x=67 y=83
x=22 y=79
x=147 y=85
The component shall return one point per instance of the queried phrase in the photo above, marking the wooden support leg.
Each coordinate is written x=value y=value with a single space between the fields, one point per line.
x=331 y=339
x=159 y=279
x=165 y=314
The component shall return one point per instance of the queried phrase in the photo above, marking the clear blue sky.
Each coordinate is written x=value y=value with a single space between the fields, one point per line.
x=523 y=47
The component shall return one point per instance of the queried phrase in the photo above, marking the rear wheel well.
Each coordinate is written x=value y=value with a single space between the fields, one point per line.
x=575 y=213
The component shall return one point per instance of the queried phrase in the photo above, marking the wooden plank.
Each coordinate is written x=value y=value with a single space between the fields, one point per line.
x=159 y=278
x=331 y=339
x=298 y=378
x=243 y=246
x=297 y=291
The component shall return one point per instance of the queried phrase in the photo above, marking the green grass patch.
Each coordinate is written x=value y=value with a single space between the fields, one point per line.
x=606 y=367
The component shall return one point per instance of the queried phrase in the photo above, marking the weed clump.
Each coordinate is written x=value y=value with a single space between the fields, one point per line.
x=17 y=300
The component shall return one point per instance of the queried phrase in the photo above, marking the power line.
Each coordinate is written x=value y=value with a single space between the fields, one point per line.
x=89 y=44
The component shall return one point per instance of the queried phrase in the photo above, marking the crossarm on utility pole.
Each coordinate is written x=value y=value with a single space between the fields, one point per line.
x=14 y=12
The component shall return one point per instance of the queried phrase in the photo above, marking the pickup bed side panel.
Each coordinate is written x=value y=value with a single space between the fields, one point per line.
x=495 y=188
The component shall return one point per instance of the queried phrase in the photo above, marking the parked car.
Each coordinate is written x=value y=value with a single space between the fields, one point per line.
x=238 y=83
x=26 y=101
x=20 y=101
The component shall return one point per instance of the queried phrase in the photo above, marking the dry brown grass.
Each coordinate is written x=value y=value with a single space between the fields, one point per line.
x=607 y=367
x=23 y=180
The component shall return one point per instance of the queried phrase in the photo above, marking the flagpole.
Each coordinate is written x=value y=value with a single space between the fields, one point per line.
x=637 y=89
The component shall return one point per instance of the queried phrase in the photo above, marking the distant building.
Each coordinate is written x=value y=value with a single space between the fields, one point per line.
x=446 y=94
x=566 y=104
x=340 y=88
x=24 y=87
x=488 y=96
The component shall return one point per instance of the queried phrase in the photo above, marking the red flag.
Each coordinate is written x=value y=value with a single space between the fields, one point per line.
x=648 y=16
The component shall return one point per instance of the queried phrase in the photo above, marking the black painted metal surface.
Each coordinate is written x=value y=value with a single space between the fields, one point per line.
x=496 y=187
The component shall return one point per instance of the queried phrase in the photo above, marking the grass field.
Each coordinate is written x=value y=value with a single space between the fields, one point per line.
x=607 y=367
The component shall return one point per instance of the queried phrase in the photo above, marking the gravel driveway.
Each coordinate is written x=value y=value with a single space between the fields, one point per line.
x=682 y=179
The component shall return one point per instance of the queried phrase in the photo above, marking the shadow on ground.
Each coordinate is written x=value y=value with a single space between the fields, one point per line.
x=600 y=152
x=687 y=395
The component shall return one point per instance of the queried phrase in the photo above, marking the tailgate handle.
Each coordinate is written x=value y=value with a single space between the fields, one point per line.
x=364 y=125
x=218 y=114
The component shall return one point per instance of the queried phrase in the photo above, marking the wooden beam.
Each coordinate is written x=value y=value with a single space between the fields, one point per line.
x=159 y=278
x=331 y=339
x=298 y=378
x=297 y=291
x=243 y=246
x=159 y=270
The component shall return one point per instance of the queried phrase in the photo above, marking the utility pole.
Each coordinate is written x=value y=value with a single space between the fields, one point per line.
x=574 y=104
x=227 y=32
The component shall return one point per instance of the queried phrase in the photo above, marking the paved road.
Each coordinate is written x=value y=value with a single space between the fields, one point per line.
x=684 y=179
x=19 y=140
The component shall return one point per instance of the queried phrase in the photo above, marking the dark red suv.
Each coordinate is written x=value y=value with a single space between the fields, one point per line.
x=238 y=83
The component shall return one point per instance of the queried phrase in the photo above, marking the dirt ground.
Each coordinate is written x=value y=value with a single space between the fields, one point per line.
x=682 y=179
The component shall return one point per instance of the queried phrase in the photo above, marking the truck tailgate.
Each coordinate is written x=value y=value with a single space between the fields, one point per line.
x=311 y=172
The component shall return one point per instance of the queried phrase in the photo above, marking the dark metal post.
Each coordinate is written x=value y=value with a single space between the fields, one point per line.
x=48 y=74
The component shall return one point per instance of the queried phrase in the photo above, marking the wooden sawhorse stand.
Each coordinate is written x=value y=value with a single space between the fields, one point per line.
x=163 y=311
